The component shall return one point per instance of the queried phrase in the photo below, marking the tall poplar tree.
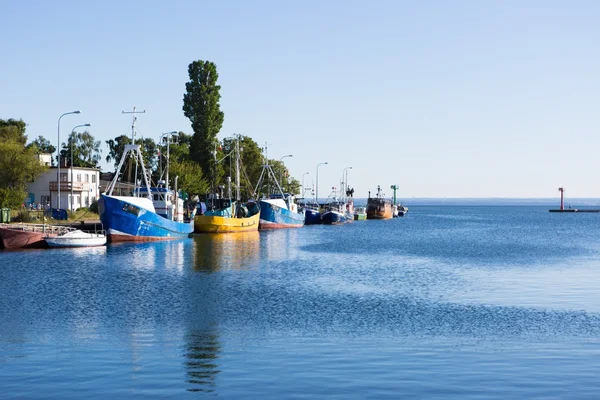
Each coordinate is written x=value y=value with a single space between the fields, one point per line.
x=201 y=106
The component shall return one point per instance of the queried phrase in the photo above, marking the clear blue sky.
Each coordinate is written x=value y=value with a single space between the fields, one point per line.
x=445 y=99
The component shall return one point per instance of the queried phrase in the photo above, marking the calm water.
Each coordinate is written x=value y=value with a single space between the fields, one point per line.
x=463 y=302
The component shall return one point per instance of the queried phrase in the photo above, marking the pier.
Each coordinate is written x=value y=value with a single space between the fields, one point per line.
x=570 y=210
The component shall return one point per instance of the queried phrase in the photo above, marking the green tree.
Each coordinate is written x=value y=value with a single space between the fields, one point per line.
x=116 y=147
x=12 y=129
x=18 y=167
x=287 y=183
x=149 y=152
x=251 y=161
x=86 y=150
x=201 y=106
x=42 y=145
x=179 y=150
x=190 y=176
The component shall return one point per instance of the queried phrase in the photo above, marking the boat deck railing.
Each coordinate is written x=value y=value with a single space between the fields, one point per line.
x=42 y=228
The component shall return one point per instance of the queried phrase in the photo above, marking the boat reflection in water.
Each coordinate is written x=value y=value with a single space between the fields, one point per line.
x=226 y=251
x=279 y=244
x=173 y=256
x=201 y=354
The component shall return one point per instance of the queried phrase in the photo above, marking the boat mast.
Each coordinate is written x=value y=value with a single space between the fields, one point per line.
x=136 y=153
x=267 y=168
x=269 y=174
x=170 y=136
x=167 y=169
x=133 y=142
x=237 y=169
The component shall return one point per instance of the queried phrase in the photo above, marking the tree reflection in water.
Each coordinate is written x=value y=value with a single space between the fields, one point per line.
x=200 y=360
x=226 y=251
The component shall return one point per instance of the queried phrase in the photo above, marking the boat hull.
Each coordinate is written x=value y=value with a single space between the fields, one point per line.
x=334 y=218
x=14 y=238
x=91 y=242
x=312 y=217
x=217 y=224
x=126 y=222
x=380 y=211
x=275 y=217
x=360 y=217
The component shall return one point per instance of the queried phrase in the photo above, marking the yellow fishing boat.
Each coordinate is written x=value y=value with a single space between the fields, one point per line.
x=225 y=224
x=229 y=214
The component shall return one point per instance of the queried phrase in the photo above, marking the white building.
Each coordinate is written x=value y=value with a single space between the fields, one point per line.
x=45 y=159
x=79 y=186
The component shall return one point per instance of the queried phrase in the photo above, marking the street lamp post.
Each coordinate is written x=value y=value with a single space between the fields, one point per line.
x=280 y=160
x=303 y=188
x=168 y=135
x=72 y=140
x=345 y=177
x=58 y=154
x=317 y=188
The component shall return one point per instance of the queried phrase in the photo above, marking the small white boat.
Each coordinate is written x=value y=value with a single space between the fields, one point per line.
x=77 y=238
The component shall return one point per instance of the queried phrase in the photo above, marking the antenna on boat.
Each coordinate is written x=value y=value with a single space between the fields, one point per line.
x=133 y=123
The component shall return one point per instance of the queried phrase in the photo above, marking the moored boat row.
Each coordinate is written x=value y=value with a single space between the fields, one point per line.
x=134 y=214
x=157 y=212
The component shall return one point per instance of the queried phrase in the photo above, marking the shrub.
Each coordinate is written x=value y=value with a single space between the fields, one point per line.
x=94 y=206
x=23 y=216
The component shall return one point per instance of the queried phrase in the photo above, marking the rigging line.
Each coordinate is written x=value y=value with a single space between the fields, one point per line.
x=226 y=156
x=251 y=191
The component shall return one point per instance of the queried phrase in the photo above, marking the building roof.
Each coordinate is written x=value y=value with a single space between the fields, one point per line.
x=68 y=166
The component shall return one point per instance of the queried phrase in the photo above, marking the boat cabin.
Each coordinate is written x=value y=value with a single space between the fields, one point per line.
x=289 y=199
x=166 y=202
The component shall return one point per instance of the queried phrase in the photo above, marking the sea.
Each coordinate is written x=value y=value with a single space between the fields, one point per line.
x=450 y=301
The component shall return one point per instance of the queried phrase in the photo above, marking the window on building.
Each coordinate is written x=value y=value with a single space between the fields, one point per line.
x=78 y=177
x=94 y=178
x=64 y=177
x=86 y=178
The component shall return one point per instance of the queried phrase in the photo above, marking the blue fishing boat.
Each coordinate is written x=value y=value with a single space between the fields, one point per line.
x=278 y=210
x=149 y=213
x=339 y=210
x=312 y=213
x=130 y=218
x=334 y=213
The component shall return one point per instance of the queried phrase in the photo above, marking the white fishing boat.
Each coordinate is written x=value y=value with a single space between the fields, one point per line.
x=77 y=238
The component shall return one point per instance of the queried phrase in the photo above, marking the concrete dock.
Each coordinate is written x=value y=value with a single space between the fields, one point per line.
x=572 y=210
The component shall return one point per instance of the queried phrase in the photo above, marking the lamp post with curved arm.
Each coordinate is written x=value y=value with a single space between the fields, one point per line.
x=58 y=154
x=72 y=140
x=280 y=160
x=317 y=188
x=303 y=188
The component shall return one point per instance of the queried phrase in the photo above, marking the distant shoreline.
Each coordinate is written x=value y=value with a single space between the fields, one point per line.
x=493 y=201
